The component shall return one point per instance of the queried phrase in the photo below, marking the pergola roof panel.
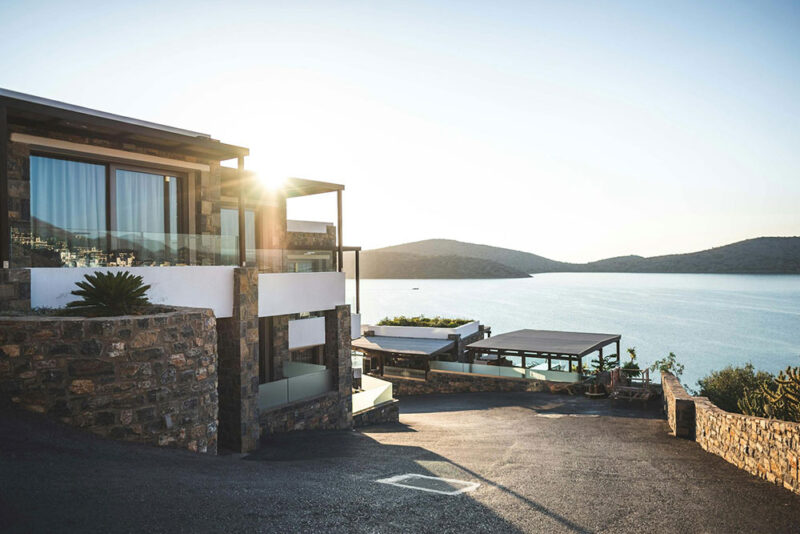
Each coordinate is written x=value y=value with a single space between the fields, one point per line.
x=546 y=342
x=411 y=346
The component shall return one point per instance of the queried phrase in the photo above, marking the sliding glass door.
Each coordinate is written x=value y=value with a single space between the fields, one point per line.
x=146 y=216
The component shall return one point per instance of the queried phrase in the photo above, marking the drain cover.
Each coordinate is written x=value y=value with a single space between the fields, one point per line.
x=442 y=486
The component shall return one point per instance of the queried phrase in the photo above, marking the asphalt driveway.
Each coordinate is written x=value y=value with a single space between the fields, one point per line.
x=542 y=463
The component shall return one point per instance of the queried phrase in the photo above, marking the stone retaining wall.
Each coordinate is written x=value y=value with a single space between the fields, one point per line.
x=388 y=412
x=679 y=406
x=150 y=379
x=447 y=382
x=767 y=448
x=321 y=413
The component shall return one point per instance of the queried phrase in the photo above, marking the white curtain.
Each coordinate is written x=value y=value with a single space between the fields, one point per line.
x=67 y=198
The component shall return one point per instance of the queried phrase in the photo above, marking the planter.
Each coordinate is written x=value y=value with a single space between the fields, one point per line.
x=145 y=378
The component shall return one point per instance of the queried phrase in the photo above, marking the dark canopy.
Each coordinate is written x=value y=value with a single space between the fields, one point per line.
x=546 y=342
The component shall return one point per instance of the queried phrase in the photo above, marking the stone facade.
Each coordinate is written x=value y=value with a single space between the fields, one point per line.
x=149 y=379
x=15 y=290
x=388 y=412
x=204 y=220
x=333 y=410
x=238 y=365
x=447 y=382
x=767 y=448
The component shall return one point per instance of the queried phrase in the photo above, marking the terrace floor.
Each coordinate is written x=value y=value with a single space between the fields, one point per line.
x=544 y=463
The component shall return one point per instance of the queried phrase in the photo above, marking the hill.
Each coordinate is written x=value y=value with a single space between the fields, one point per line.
x=444 y=258
x=382 y=264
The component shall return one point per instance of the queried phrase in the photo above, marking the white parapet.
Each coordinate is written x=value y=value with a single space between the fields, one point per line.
x=310 y=227
x=424 y=331
x=285 y=293
x=306 y=332
x=195 y=287
x=355 y=325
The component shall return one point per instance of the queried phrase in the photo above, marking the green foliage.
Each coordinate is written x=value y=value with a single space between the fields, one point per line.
x=669 y=364
x=421 y=320
x=726 y=388
x=104 y=294
x=604 y=363
x=631 y=367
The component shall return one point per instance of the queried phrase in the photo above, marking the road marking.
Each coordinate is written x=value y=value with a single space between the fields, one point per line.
x=398 y=479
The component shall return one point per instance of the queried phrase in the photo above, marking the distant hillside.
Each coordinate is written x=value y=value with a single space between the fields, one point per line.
x=443 y=258
x=375 y=264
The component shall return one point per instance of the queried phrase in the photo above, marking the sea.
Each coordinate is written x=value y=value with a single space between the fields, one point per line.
x=708 y=320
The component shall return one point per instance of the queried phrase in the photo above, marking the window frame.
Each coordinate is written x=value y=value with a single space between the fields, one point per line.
x=111 y=166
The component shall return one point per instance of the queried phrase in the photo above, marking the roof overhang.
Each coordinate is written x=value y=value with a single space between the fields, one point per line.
x=38 y=112
x=301 y=187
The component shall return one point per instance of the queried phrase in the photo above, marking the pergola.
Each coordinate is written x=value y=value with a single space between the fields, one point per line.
x=545 y=344
x=413 y=348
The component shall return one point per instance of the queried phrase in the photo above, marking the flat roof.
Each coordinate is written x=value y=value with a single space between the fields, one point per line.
x=547 y=342
x=36 y=110
x=412 y=346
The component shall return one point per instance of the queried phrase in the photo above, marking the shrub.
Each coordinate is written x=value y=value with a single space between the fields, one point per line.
x=421 y=320
x=727 y=387
x=108 y=293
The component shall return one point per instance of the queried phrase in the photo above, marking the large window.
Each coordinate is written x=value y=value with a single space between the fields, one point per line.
x=89 y=214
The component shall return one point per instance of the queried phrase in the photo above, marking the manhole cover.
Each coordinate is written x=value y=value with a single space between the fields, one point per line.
x=442 y=486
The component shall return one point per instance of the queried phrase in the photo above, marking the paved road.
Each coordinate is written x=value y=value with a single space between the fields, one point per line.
x=544 y=463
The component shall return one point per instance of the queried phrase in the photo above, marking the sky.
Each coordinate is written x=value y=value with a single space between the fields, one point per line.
x=573 y=130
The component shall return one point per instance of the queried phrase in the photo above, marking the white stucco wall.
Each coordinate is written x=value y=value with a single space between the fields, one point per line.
x=311 y=227
x=196 y=287
x=306 y=332
x=423 y=331
x=355 y=325
x=284 y=293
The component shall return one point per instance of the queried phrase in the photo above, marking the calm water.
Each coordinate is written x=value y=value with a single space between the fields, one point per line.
x=707 y=320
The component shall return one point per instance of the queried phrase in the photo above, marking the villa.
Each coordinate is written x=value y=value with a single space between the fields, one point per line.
x=84 y=191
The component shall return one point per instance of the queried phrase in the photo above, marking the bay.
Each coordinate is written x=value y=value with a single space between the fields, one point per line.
x=708 y=320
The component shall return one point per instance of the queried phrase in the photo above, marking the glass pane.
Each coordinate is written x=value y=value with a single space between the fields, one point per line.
x=230 y=235
x=145 y=204
x=68 y=211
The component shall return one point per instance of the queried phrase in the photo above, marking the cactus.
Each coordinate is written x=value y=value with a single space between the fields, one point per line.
x=778 y=398
x=785 y=398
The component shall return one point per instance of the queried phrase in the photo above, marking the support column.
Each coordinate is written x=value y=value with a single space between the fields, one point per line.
x=458 y=347
x=358 y=281
x=338 y=360
x=618 y=353
x=242 y=214
x=238 y=366
x=339 y=255
x=5 y=232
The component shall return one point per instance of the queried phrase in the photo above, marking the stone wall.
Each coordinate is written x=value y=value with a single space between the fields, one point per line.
x=15 y=290
x=320 y=413
x=149 y=379
x=447 y=382
x=679 y=407
x=388 y=412
x=312 y=241
x=767 y=448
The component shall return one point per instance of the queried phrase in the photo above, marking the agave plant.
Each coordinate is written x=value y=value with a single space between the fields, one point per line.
x=110 y=293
